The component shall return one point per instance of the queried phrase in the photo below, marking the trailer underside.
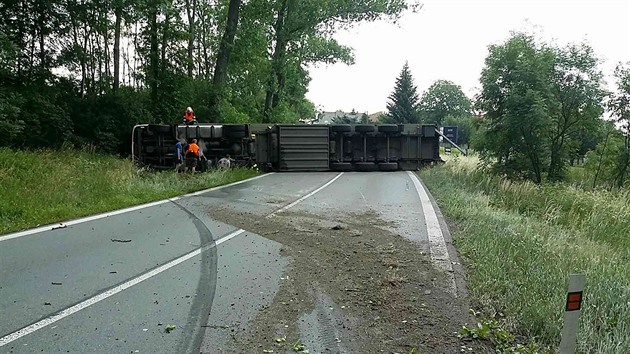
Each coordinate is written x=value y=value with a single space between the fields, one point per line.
x=296 y=147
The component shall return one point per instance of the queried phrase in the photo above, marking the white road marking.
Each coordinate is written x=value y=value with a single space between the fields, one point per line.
x=113 y=291
x=118 y=212
x=304 y=197
x=437 y=244
x=100 y=297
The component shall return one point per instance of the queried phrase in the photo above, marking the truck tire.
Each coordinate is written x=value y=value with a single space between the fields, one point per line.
x=388 y=128
x=341 y=128
x=364 y=128
x=388 y=166
x=366 y=166
x=341 y=166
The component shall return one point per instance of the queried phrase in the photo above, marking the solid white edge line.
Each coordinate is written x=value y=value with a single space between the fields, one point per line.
x=113 y=291
x=120 y=211
x=286 y=207
x=437 y=244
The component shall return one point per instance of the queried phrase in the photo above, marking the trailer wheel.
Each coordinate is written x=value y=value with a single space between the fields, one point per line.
x=237 y=134
x=388 y=166
x=364 y=128
x=341 y=166
x=341 y=128
x=388 y=128
x=366 y=166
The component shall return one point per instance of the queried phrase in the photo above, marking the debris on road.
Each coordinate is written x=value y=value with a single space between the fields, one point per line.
x=61 y=226
x=47 y=304
x=55 y=283
x=169 y=328
x=371 y=284
x=122 y=241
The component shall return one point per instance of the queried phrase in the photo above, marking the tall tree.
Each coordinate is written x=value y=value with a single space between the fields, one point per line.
x=579 y=94
x=118 y=14
x=620 y=107
x=403 y=102
x=303 y=30
x=223 y=57
x=516 y=95
x=191 y=11
x=442 y=99
x=153 y=70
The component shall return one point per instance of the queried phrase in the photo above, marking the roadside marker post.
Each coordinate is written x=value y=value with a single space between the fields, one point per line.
x=572 y=310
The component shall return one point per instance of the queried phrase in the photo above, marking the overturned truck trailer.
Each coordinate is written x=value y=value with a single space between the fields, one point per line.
x=295 y=147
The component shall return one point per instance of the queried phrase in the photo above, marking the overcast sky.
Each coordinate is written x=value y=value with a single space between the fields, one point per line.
x=448 y=39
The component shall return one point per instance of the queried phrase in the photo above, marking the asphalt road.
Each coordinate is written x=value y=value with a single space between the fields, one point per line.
x=115 y=283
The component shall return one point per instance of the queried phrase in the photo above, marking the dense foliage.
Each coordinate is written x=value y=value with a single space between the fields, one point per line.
x=79 y=72
x=443 y=99
x=543 y=107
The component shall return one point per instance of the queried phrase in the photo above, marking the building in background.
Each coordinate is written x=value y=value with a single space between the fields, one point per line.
x=375 y=117
x=339 y=117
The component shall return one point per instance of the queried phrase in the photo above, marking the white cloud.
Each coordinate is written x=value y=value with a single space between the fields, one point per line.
x=448 y=39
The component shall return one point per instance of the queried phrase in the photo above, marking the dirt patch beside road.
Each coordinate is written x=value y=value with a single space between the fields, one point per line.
x=352 y=287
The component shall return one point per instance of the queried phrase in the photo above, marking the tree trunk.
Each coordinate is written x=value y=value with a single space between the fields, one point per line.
x=601 y=157
x=555 y=164
x=276 y=62
x=42 y=40
x=191 y=7
x=223 y=57
x=153 y=56
x=117 y=25
x=107 y=71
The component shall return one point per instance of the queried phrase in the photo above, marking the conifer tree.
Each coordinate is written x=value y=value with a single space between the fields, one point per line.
x=403 y=102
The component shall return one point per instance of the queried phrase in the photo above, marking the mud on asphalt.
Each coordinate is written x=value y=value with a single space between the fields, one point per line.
x=352 y=287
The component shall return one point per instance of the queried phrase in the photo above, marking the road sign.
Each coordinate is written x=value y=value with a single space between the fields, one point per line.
x=451 y=132
x=572 y=309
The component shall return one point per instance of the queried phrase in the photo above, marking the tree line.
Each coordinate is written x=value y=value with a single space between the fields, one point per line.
x=541 y=108
x=79 y=72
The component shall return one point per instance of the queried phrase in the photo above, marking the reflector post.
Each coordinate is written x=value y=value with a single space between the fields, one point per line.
x=572 y=311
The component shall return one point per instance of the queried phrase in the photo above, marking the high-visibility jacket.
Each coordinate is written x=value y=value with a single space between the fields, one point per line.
x=189 y=116
x=193 y=148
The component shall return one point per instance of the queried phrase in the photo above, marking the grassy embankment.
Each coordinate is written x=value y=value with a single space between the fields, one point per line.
x=38 y=188
x=520 y=241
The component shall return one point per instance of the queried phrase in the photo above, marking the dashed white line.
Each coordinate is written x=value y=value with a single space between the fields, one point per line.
x=306 y=196
x=118 y=212
x=437 y=244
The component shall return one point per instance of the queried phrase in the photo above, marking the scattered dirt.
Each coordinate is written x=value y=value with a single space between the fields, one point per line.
x=352 y=287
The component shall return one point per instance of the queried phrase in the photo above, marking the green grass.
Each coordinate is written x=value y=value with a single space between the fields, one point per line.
x=44 y=187
x=520 y=241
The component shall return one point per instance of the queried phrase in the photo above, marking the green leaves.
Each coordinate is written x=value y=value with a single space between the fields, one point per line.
x=444 y=99
x=539 y=101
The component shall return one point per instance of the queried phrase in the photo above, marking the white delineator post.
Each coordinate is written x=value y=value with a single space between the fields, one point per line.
x=572 y=309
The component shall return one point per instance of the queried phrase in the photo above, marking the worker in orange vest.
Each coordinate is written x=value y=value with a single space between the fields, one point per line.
x=189 y=116
x=192 y=156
